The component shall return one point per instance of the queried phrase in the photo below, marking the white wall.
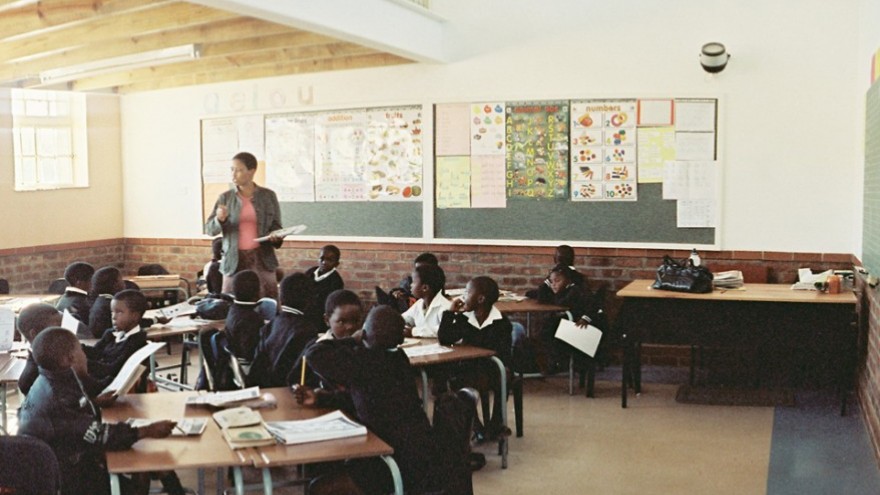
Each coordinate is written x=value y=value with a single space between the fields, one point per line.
x=788 y=119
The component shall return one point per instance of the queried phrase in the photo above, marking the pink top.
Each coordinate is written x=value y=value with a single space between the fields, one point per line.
x=247 y=225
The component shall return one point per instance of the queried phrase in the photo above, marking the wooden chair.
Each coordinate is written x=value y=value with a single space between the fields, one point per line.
x=587 y=373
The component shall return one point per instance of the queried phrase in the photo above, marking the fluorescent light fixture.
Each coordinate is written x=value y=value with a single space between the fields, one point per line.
x=125 y=62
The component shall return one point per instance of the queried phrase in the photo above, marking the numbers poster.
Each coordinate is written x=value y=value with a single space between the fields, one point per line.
x=537 y=143
x=603 y=150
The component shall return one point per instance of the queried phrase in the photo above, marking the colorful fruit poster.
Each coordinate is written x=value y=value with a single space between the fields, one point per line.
x=537 y=144
x=603 y=150
x=487 y=129
x=393 y=169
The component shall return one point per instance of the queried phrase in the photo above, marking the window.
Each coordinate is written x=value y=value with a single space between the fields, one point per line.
x=49 y=139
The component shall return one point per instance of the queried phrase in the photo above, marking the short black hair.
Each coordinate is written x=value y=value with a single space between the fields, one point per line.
x=488 y=288
x=432 y=276
x=426 y=258
x=249 y=160
x=340 y=297
x=563 y=270
x=566 y=254
x=217 y=248
x=104 y=280
x=78 y=271
x=333 y=249
x=34 y=318
x=383 y=328
x=246 y=286
x=134 y=300
x=52 y=348
x=296 y=291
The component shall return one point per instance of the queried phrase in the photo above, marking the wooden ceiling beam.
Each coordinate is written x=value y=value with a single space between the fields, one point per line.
x=228 y=61
x=226 y=31
x=113 y=27
x=270 y=70
x=45 y=14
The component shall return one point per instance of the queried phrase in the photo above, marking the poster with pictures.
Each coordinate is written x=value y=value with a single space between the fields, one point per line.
x=340 y=152
x=290 y=156
x=603 y=150
x=537 y=144
x=393 y=169
x=487 y=129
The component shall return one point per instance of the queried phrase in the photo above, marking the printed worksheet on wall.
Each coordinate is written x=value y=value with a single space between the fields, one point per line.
x=290 y=156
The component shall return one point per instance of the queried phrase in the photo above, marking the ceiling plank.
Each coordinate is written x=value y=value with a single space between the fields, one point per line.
x=220 y=63
x=207 y=34
x=45 y=14
x=252 y=72
x=113 y=27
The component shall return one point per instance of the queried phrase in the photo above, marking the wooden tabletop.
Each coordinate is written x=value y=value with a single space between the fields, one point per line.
x=10 y=368
x=527 y=306
x=460 y=352
x=156 y=281
x=750 y=292
x=159 y=331
x=18 y=301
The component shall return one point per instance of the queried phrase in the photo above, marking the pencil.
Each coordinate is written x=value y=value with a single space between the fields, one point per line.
x=302 y=376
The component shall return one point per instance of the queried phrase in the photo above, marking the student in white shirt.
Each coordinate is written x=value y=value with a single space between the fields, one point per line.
x=423 y=318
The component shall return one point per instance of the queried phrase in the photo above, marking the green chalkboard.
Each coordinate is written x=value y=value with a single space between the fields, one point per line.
x=871 y=228
x=362 y=219
x=651 y=219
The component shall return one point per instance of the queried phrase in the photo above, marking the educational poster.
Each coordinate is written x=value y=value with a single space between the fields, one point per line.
x=537 y=144
x=219 y=145
x=656 y=112
x=251 y=136
x=487 y=182
x=340 y=156
x=453 y=181
x=290 y=156
x=656 y=146
x=487 y=129
x=452 y=129
x=393 y=168
x=603 y=150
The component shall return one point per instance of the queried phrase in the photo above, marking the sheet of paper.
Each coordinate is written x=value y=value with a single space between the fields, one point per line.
x=675 y=180
x=452 y=129
x=453 y=181
x=294 y=230
x=656 y=112
x=488 y=182
x=656 y=147
x=585 y=340
x=695 y=213
x=227 y=397
x=250 y=135
x=290 y=156
x=426 y=350
x=694 y=145
x=69 y=322
x=132 y=363
x=7 y=329
x=695 y=115
x=701 y=180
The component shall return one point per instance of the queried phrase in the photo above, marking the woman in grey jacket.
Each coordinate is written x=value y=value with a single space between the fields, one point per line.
x=242 y=214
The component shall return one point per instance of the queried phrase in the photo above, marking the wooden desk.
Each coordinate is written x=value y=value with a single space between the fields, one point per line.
x=16 y=302
x=149 y=283
x=761 y=314
x=528 y=306
x=11 y=368
x=160 y=331
x=208 y=450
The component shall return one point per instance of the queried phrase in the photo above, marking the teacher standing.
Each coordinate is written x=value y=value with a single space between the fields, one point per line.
x=242 y=214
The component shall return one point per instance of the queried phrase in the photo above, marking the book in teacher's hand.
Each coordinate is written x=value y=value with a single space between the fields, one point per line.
x=330 y=426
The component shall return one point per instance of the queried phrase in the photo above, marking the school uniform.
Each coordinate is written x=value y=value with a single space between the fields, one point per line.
x=384 y=394
x=31 y=371
x=580 y=305
x=58 y=411
x=544 y=292
x=109 y=354
x=281 y=343
x=324 y=285
x=243 y=325
x=426 y=321
x=99 y=315
x=76 y=302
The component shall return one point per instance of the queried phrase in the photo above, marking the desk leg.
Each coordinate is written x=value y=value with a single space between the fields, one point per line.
x=239 y=480
x=184 y=360
x=502 y=444
x=424 y=388
x=395 y=474
x=267 y=481
x=221 y=481
x=625 y=372
x=115 y=489
x=153 y=367
x=200 y=486
x=3 y=406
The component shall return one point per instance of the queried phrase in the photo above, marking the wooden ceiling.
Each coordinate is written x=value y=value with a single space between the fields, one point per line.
x=36 y=36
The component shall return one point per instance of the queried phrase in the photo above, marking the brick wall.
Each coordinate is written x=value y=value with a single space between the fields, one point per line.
x=869 y=352
x=32 y=269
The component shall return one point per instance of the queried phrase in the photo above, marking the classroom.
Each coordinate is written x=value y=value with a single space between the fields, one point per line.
x=793 y=187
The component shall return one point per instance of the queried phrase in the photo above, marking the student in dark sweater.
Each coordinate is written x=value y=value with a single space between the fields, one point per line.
x=105 y=282
x=212 y=278
x=76 y=296
x=326 y=277
x=121 y=340
x=59 y=412
x=581 y=310
x=564 y=255
x=378 y=377
x=403 y=292
x=243 y=323
x=473 y=319
x=284 y=339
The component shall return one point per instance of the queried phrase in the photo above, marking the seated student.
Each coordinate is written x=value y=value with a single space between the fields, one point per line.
x=284 y=339
x=105 y=282
x=243 y=323
x=564 y=255
x=122 y=339
x=32 y=320
x=423 y=318
x=212 y=279
x=403 y=292
x=577 y=299
x=58 y=412
x=76 y=296
x=326 y=278
x=474 y=320
x=378 y=377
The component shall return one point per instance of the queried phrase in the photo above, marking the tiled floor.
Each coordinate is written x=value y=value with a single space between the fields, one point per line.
x=657 y=446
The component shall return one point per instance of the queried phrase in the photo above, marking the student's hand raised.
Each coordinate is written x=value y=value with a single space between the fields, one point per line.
x=304 y=395
x=159 y=429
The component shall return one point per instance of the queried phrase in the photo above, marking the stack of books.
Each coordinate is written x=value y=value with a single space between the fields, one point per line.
x=327 y=427
x=732 y=279
x=243 y=427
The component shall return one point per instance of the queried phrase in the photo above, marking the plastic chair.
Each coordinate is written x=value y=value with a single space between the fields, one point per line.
x=28 y=465
x=57 y=286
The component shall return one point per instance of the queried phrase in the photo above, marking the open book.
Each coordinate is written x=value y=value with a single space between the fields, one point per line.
x=327 y=427
x=296 y=229
x=185 y=427
x=132 y=369
x=243 y=427
x=180 y=309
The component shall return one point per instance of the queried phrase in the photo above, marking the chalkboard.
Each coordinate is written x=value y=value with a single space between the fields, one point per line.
x=379 y=219
x=871 y=227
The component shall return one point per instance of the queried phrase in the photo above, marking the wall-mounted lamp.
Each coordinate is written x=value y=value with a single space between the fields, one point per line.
x=713 y=57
